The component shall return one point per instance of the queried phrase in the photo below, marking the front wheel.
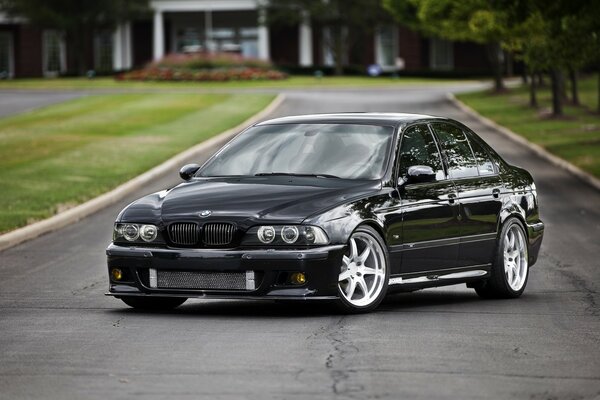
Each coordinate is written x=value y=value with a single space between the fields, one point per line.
x=153 y=303
x=364 y=273
x=511 y=266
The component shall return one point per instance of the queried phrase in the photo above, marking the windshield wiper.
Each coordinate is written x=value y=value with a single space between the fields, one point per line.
x=293 y=174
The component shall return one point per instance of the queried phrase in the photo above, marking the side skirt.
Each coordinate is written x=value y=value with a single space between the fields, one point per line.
x=443 y=277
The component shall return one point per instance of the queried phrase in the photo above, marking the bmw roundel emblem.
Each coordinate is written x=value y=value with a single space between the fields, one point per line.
x=204 y=213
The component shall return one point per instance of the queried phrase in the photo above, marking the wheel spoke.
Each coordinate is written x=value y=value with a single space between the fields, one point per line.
x=362 y=284
x=370 y=271
x=345 y=275
x=365 y=254
x=345 y=260
x=350 y=288
x=353 y=250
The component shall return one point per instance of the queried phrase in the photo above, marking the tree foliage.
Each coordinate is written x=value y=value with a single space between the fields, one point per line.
x=555 y=36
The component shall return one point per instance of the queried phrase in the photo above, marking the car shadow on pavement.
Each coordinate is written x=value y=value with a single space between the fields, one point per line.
x=427 y=300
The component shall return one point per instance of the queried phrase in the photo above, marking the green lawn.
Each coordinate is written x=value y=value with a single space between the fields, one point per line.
x=292 y=82
x=62 y=155
x=575 y=138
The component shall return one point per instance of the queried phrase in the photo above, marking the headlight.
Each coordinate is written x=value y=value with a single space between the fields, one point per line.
x=135 y=232
x=285 y=235
x=148 y=233
x=266 y=234
x=289 y=234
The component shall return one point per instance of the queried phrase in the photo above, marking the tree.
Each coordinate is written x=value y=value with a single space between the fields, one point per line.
x=75 y=17
x=481 y=21
x=342 y=19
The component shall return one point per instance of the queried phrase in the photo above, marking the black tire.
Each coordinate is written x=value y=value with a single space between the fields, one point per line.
x=153 y=303
x=497 y=286
x=342 y=304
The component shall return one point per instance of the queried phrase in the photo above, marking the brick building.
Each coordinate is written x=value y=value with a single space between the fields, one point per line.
x=224 y=25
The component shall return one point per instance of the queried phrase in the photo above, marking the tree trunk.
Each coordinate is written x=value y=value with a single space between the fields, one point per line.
x=509 y=64
x=556 y=93
x=495 y=57
x=574 y=89
x=598 y=89
x=532 y=92
x=541 y=82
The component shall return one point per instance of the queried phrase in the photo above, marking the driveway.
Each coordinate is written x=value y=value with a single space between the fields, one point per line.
x=61 y=338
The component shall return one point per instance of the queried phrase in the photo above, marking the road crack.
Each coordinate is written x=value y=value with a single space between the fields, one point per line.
x=338 y=363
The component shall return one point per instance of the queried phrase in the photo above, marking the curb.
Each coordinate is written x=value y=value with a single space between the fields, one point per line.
x=537 y=149
x=75 y=214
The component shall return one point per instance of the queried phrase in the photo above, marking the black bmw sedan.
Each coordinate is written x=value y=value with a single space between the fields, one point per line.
x=339 y=207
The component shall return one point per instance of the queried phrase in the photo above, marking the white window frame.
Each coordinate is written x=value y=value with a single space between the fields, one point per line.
x=434 y=60
x=11 y=54
x=379 y=49
x=62 y=55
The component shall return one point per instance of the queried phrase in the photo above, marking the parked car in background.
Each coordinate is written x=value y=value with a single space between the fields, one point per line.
x=341 y=207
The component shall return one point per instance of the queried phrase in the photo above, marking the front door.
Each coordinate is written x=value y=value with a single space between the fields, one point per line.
x=430 y=231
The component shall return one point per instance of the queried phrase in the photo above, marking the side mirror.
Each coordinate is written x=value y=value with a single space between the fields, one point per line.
x=418 y=174
x=187 y=171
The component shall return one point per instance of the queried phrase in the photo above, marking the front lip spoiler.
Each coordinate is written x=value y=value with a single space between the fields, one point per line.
x=224 y=297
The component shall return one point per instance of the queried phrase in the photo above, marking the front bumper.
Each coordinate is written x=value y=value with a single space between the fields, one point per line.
x=320 y=266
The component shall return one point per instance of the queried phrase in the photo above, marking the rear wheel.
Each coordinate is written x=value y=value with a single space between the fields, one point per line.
x=364 y=273
x=153 y=303
x=511 y=266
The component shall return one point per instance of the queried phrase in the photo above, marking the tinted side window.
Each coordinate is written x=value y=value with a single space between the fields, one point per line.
x=419 y=148
x=460 y=159
x=484 y=162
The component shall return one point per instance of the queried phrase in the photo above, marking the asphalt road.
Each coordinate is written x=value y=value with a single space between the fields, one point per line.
x=60 y=338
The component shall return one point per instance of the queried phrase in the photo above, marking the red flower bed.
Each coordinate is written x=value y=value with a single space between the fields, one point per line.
x=204 y=67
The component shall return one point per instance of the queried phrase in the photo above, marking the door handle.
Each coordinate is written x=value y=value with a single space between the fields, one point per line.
x=496 y=193
x=451 y=198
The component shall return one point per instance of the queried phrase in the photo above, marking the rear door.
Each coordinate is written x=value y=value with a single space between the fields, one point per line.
x=479 y=187
x=430 y=231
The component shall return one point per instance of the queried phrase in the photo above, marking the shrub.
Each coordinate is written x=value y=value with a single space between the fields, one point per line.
x=205 y=67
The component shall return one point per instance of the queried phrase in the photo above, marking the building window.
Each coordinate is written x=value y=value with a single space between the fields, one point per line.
x=386 y=47
x=54 y=56
x=103 y=51
x=6 y=55
x=441 y=54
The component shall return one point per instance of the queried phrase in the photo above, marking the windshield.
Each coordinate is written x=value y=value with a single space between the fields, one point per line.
x=348 y=151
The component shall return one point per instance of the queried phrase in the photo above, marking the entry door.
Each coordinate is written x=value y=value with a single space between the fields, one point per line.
x=429 y=210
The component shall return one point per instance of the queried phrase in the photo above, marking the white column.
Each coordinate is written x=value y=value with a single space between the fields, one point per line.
x=117 y=48
x=263 y=36
x=306 y=44
x=122 y=57
x=159 y=37
x=127 y=47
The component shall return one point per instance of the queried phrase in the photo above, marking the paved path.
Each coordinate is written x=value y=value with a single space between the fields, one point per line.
x=18 y=101
x=61 y=338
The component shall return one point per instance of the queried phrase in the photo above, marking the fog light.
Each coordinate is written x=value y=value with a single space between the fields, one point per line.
x=298 y=278
x=116 y=274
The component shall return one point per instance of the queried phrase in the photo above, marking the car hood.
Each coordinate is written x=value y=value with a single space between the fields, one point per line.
x=289 y=199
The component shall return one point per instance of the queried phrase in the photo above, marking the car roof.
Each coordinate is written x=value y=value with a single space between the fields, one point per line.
x=395 y=119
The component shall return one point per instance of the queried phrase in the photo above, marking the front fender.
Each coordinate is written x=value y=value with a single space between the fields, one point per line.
x=340 y=221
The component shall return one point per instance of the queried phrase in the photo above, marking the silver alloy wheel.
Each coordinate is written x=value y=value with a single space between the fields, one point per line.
x=362 y=275
x=515 y=258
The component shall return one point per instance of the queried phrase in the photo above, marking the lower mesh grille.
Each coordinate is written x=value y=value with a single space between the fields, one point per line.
x=202 y=280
